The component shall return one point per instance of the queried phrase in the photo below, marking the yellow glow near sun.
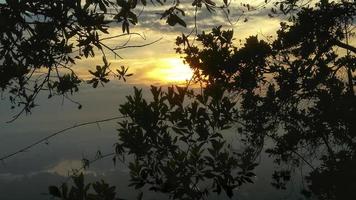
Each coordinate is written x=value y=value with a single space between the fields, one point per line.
x=171 y=70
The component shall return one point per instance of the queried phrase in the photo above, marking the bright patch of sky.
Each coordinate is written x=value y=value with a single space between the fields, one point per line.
x=158 y=63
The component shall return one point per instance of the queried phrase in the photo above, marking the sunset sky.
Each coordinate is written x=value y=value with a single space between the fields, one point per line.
x=158 y=63
x=155 y=64
x=269 y=111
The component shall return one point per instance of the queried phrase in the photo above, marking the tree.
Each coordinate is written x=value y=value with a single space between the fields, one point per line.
x=80 y=190
x=290 y=83
x=42 y=40
x=279 y=90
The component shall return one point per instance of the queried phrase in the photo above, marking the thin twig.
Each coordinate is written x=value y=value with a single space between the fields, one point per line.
x=57 y=133
x=134 y=46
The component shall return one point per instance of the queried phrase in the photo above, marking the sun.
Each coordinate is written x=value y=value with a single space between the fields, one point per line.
x=171 y=70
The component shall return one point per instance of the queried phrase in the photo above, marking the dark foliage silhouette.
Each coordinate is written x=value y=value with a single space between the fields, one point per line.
x=80 y=190
x=296 y=90
x=40 y=41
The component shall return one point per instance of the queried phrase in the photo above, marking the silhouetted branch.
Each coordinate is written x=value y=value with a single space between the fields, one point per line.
x=87 y=163
x=57 y=133
x=345 y=46
x=121 y=35
x=133 y=46
x=294 y=152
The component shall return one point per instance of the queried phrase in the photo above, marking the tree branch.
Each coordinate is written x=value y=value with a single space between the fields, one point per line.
x=344 y=46
x=56 y=133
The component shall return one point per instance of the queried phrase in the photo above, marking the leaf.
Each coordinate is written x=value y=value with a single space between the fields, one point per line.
x=173 y=19
x=102 y=6
x=132 y=17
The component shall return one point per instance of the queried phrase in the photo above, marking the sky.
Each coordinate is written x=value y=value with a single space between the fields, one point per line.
x=32 y=171
x=158 y=63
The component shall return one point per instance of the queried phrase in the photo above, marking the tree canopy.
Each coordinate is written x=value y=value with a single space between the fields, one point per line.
x=42 y=40
x=296 y=90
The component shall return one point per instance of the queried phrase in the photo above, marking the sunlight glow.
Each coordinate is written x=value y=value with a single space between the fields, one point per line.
x=171 y=70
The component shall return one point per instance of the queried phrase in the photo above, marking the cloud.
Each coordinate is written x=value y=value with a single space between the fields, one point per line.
x=66 y=167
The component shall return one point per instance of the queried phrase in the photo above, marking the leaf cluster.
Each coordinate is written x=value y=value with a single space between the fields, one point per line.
x=82 y=191
x=296 y=91
x=41 y=41
x=177 y=145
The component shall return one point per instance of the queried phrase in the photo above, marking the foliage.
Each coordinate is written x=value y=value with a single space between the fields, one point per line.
x=81 y=191
x=178 y=146
x=40 y=41
x=278 y=91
